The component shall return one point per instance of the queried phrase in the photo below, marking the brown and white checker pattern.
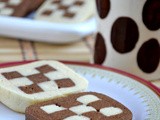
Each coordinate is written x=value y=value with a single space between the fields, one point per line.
x=18 y=8
x=129 y=32
x=65 y=10
x=37 y=81
x=7 y=7
x=81 y=106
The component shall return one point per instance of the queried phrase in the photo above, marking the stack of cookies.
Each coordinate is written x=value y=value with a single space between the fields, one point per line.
x=67 y=11
x=49 y=90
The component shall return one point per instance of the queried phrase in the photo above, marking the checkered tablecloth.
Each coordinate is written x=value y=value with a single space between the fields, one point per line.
x=19 y=50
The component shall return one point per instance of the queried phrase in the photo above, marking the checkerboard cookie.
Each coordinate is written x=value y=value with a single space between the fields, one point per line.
x=35 y=4
x=18 y=8
x=65 y=11
x=24 y=85
x=81 y=106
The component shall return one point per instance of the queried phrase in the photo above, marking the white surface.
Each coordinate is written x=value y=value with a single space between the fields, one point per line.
x=35 y=30
x=143 y=102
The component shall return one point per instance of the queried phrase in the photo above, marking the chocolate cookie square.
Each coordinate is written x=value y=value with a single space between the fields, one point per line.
x=80 y=106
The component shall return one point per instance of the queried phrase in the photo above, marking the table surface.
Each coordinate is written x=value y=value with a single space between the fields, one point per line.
x=19 y=50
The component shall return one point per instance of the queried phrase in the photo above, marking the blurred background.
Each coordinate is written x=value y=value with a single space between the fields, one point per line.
x=48 y=29
x=35 y=33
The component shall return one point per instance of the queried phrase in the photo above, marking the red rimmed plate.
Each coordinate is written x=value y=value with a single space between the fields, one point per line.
x=140 y=96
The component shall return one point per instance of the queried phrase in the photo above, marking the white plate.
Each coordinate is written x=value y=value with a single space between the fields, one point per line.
x=143 y=102
x=44 y=31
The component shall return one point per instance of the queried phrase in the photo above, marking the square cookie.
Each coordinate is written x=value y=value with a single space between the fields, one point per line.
x=24 y=85
x=18 y=8
x=80 y=106
x=66 y=11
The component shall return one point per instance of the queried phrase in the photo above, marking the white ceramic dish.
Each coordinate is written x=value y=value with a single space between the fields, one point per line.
x=125 y=88
x=44 y=31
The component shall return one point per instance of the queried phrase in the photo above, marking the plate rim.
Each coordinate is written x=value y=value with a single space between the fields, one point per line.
x=155 y=89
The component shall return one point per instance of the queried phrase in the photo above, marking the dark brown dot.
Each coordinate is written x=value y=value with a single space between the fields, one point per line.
x=100 y=49
x=103 y=8
x=148 y=56
x=58 y=105
x=124 y=34
x=151 y=14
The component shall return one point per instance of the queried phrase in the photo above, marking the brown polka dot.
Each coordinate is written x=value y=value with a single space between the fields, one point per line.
x=148 y=56
x=100 y=49
x=124 y=34
x=103 y=7
x=151 y=14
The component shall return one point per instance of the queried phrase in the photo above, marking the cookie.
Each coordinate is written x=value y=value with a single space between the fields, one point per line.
x=18 y=8
x=80 y=106
x=65 y=11
x=24 y=85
